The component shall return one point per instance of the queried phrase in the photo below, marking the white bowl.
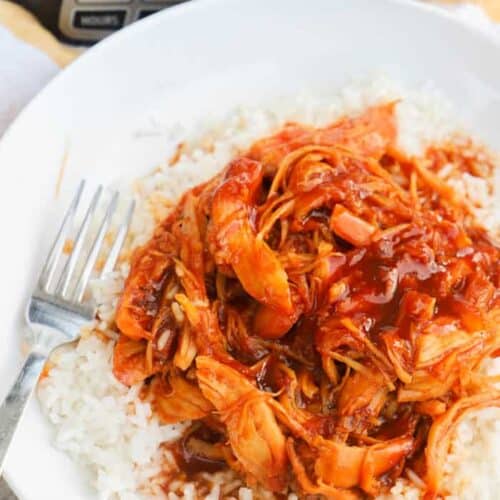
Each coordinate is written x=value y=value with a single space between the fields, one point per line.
x=100 y=119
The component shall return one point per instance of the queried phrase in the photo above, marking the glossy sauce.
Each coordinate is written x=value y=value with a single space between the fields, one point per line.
x=326 y=285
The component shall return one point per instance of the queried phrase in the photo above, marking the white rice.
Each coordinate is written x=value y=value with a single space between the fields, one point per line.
x=106 y=428
x=101 y=423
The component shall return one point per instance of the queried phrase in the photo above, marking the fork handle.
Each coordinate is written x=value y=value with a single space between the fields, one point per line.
x=12 y=408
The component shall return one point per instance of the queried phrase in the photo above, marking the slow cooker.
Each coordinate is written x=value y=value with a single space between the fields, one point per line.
x=88 y=21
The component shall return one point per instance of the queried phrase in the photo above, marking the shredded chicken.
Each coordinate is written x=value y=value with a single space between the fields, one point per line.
x=320 y=309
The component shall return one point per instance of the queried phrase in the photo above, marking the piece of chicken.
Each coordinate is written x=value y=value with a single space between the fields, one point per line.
x=235 y=241
x=361 y=399
x=368 y=134
x=129 y=361
x=141 y=297
x=255 y=437
x=177 y=400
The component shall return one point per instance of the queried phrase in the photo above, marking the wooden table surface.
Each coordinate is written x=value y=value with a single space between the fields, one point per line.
x=5 y=492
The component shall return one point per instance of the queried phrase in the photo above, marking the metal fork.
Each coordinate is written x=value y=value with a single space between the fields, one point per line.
x=59 y=308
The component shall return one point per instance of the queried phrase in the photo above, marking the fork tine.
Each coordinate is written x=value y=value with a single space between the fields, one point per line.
x=94 y=251
x=119 y=241
x=50 y=265
x=69 y=268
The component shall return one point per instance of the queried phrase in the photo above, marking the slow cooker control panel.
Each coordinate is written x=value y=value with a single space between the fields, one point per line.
x=92 y=20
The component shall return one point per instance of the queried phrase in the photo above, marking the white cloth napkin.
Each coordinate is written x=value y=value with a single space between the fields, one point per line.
x=24 y=70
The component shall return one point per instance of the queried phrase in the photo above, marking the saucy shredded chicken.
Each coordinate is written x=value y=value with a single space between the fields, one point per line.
x=320 y=310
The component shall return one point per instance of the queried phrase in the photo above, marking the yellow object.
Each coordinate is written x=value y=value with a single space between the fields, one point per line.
x=491 y=7
x=26 y=27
